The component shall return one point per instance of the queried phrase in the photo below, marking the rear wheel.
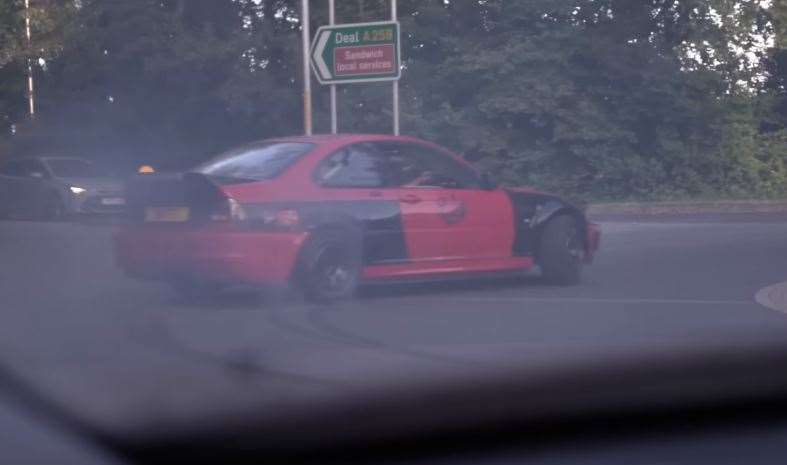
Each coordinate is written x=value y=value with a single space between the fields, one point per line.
x=330 y=267
x=561 y=251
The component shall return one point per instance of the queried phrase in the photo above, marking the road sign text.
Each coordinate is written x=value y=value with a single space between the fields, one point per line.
x=351 y=53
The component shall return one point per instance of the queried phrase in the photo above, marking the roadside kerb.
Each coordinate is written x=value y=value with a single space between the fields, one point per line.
x=688 y=207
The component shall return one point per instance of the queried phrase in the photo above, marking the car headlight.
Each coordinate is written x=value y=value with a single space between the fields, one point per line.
x=78 y=190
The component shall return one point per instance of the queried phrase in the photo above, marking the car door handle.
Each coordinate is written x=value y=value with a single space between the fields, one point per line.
x=410 y=198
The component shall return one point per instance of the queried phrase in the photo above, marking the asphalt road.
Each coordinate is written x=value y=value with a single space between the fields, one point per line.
x=129 y=356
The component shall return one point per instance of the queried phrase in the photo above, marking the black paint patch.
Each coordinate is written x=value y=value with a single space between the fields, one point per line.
x=191 y=190
x=525 y=208
x=379 y=223
x=531 y=212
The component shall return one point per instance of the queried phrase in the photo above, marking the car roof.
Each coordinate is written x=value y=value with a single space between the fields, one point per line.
x=44 y=159
x=48 y=158
x=341 y=139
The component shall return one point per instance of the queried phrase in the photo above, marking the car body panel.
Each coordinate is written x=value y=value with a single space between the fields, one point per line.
x=405 y=232
x=487 y=230
x=23 y=192
x=446 y=268
x=533 y=209
x=378 y=220
x=213 y=254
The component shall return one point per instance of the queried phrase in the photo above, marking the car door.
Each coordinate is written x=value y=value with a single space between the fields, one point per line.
x=13 y=187
x=32 y=185
x=7 y=183
x=468 y=222
x=428 y=213
x=354 y=185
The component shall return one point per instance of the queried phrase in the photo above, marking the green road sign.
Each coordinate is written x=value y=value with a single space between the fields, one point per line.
x=351 y=53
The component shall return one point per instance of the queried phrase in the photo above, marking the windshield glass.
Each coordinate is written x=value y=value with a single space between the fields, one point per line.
x=256 y=162
x=72 y=168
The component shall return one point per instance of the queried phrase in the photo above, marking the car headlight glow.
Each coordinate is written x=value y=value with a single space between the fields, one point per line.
x=78 y=190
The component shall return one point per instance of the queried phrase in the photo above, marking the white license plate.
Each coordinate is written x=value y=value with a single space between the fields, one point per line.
x=113 y=201
x=167 y=214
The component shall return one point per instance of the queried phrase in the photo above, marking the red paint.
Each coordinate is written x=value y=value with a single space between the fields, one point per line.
x=593 y=241
x=425 y=225
x=446 y=268
x=487 y=230
x=456 y=224
x=210 y=253
x=363 y=60
x=447 y=231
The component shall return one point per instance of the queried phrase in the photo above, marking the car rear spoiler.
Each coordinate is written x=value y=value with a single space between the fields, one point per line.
x=193 y=190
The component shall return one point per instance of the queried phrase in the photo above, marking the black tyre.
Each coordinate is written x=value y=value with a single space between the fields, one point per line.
x=561 y=251
x=330 y=266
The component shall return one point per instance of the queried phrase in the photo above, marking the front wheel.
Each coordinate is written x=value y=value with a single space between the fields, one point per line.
x=330 y=268
x=561 y=251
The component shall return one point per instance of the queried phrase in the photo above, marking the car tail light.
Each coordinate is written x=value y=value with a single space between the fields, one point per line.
x=229 y=210
x=255 y=216
x=278 y=218
x=287 y=218
x=237 y=213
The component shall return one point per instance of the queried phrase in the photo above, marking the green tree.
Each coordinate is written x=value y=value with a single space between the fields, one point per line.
x=595 y=98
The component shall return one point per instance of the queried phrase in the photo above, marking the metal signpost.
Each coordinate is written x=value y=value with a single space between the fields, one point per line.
x=352 y=54
x=307 y=77
x=30 y=88
x=334 y=111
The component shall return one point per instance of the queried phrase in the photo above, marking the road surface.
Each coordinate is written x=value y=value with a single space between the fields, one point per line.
x=123 y=355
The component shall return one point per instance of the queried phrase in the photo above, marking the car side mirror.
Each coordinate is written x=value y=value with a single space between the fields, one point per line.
x=37 y=175
x=488 y=182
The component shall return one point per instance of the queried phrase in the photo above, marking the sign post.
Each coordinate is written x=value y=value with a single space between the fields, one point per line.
x=356 y=53
x=334 y=112
x=395 y=17
x=307 y=77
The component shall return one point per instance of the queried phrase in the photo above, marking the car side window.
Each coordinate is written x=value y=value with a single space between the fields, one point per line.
x=18 y=168
x=358 y=166
x=36 y=166
x=28 y=166
x=419 y=166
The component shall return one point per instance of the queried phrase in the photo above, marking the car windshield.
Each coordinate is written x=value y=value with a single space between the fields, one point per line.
x=317 y=222
x=72 y=168
x=256 y=162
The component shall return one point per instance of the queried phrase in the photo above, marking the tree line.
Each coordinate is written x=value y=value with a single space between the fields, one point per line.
x=599 y=99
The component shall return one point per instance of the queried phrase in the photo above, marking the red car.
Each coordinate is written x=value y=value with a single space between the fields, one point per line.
x=328 y=213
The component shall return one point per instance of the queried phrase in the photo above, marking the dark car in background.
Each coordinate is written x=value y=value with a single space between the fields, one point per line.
x=53 y=188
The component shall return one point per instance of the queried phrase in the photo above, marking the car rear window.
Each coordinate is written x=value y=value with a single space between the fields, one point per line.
x=256 y=162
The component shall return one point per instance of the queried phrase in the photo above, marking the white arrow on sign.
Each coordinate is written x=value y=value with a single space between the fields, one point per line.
x=317 y=56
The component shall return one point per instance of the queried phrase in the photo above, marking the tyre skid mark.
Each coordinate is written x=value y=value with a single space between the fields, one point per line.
x=317 y=318
x=247 y=362
x=773 y=297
